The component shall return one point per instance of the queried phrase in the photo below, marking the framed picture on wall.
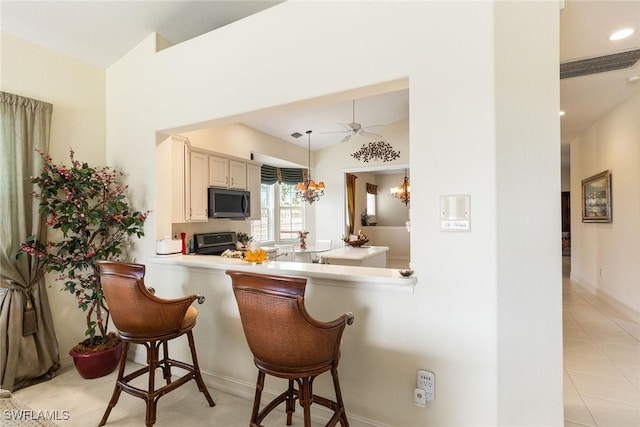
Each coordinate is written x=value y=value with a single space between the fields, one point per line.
x=596 y=198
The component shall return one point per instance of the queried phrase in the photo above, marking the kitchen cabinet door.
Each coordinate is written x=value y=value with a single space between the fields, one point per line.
x=237 y=175
x=218 y=172
x=179 y=164
x=198 y=177
x=253 y=185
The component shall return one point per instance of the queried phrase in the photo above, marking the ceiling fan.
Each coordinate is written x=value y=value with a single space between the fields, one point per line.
x=353 y=128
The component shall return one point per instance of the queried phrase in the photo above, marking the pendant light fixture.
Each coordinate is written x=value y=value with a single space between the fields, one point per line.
x=402 y=192
x=308 y=190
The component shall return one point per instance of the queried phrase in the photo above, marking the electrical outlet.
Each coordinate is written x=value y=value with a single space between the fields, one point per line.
x=419 y=398
x=427 y=382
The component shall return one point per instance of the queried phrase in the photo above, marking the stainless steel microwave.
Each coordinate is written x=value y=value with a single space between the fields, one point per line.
x=225 y=203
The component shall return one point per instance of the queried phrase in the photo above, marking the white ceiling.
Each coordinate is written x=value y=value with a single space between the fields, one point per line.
x=99 y=33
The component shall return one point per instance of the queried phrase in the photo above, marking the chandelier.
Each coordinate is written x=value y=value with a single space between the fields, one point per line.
x=308 y=190
x=402 y=192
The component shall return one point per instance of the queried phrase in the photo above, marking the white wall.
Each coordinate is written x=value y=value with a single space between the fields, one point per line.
x=77 y=92
x=462 y=320
x=527 y=209
x=612 y=143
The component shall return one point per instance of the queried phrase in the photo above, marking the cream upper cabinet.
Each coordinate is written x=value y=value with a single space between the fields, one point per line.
x=237 y=175
x=227 y=173
x=198 y=188
x=194 y=170
x=188 y=181
x=179 y=163
x=218 y=171
x=253 y=185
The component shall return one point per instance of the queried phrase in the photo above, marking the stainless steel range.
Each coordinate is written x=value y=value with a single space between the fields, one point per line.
x=214 y=243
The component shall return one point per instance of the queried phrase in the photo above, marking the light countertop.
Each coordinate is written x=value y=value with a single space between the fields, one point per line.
x=339 y=275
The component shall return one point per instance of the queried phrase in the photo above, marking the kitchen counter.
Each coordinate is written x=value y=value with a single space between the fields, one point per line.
x=327 y=274
x=364 y=256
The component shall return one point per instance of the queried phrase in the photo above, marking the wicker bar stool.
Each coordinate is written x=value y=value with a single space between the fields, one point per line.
x=143 y=318
x=288 y=343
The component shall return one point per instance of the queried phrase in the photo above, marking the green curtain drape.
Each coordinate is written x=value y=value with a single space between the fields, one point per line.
x=270 y=175
x=351 y=200
x=28 y=345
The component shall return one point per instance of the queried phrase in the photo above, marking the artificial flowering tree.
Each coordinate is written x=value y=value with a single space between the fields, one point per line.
x=91 y=218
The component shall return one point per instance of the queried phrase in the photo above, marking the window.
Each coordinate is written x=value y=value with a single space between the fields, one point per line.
x=262 y=230
x=291 y=213
x=371 y=204
x=278 y=201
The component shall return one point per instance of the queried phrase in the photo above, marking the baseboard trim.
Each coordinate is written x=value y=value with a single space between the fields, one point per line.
x=630 y=312
x=319 y=414
x=246 y=391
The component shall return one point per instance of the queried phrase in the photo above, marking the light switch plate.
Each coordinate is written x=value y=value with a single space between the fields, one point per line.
x=455 y=212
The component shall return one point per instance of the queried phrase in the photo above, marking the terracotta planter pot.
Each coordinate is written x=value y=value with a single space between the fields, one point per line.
x=98 y=364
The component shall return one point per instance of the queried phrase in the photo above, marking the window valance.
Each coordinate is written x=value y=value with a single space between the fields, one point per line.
x=269 y=175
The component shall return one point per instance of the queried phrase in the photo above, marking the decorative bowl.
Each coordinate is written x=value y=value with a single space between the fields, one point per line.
x=356 y=243
x=405 y=272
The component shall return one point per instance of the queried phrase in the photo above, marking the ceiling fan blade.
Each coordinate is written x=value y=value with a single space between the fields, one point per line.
x=347 y=126
x=370 y=134
x=372 y=126
x=335 y=131
x=346 y=138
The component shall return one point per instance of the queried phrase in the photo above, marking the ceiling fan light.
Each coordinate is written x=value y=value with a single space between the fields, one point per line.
x=621 y=34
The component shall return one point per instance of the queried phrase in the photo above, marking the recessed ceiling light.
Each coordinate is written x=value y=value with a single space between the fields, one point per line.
x=633 y=79
x=621 y=34
x=562 y=113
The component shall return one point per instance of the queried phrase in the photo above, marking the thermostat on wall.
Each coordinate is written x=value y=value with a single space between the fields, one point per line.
x=455 y=212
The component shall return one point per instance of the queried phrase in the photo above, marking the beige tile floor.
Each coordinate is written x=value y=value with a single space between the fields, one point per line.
x=601 y=361
x=601 y=380
x=85 y=401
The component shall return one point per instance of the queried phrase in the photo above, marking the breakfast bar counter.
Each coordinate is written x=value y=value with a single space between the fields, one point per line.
x=327 y=274
x=373 y=295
